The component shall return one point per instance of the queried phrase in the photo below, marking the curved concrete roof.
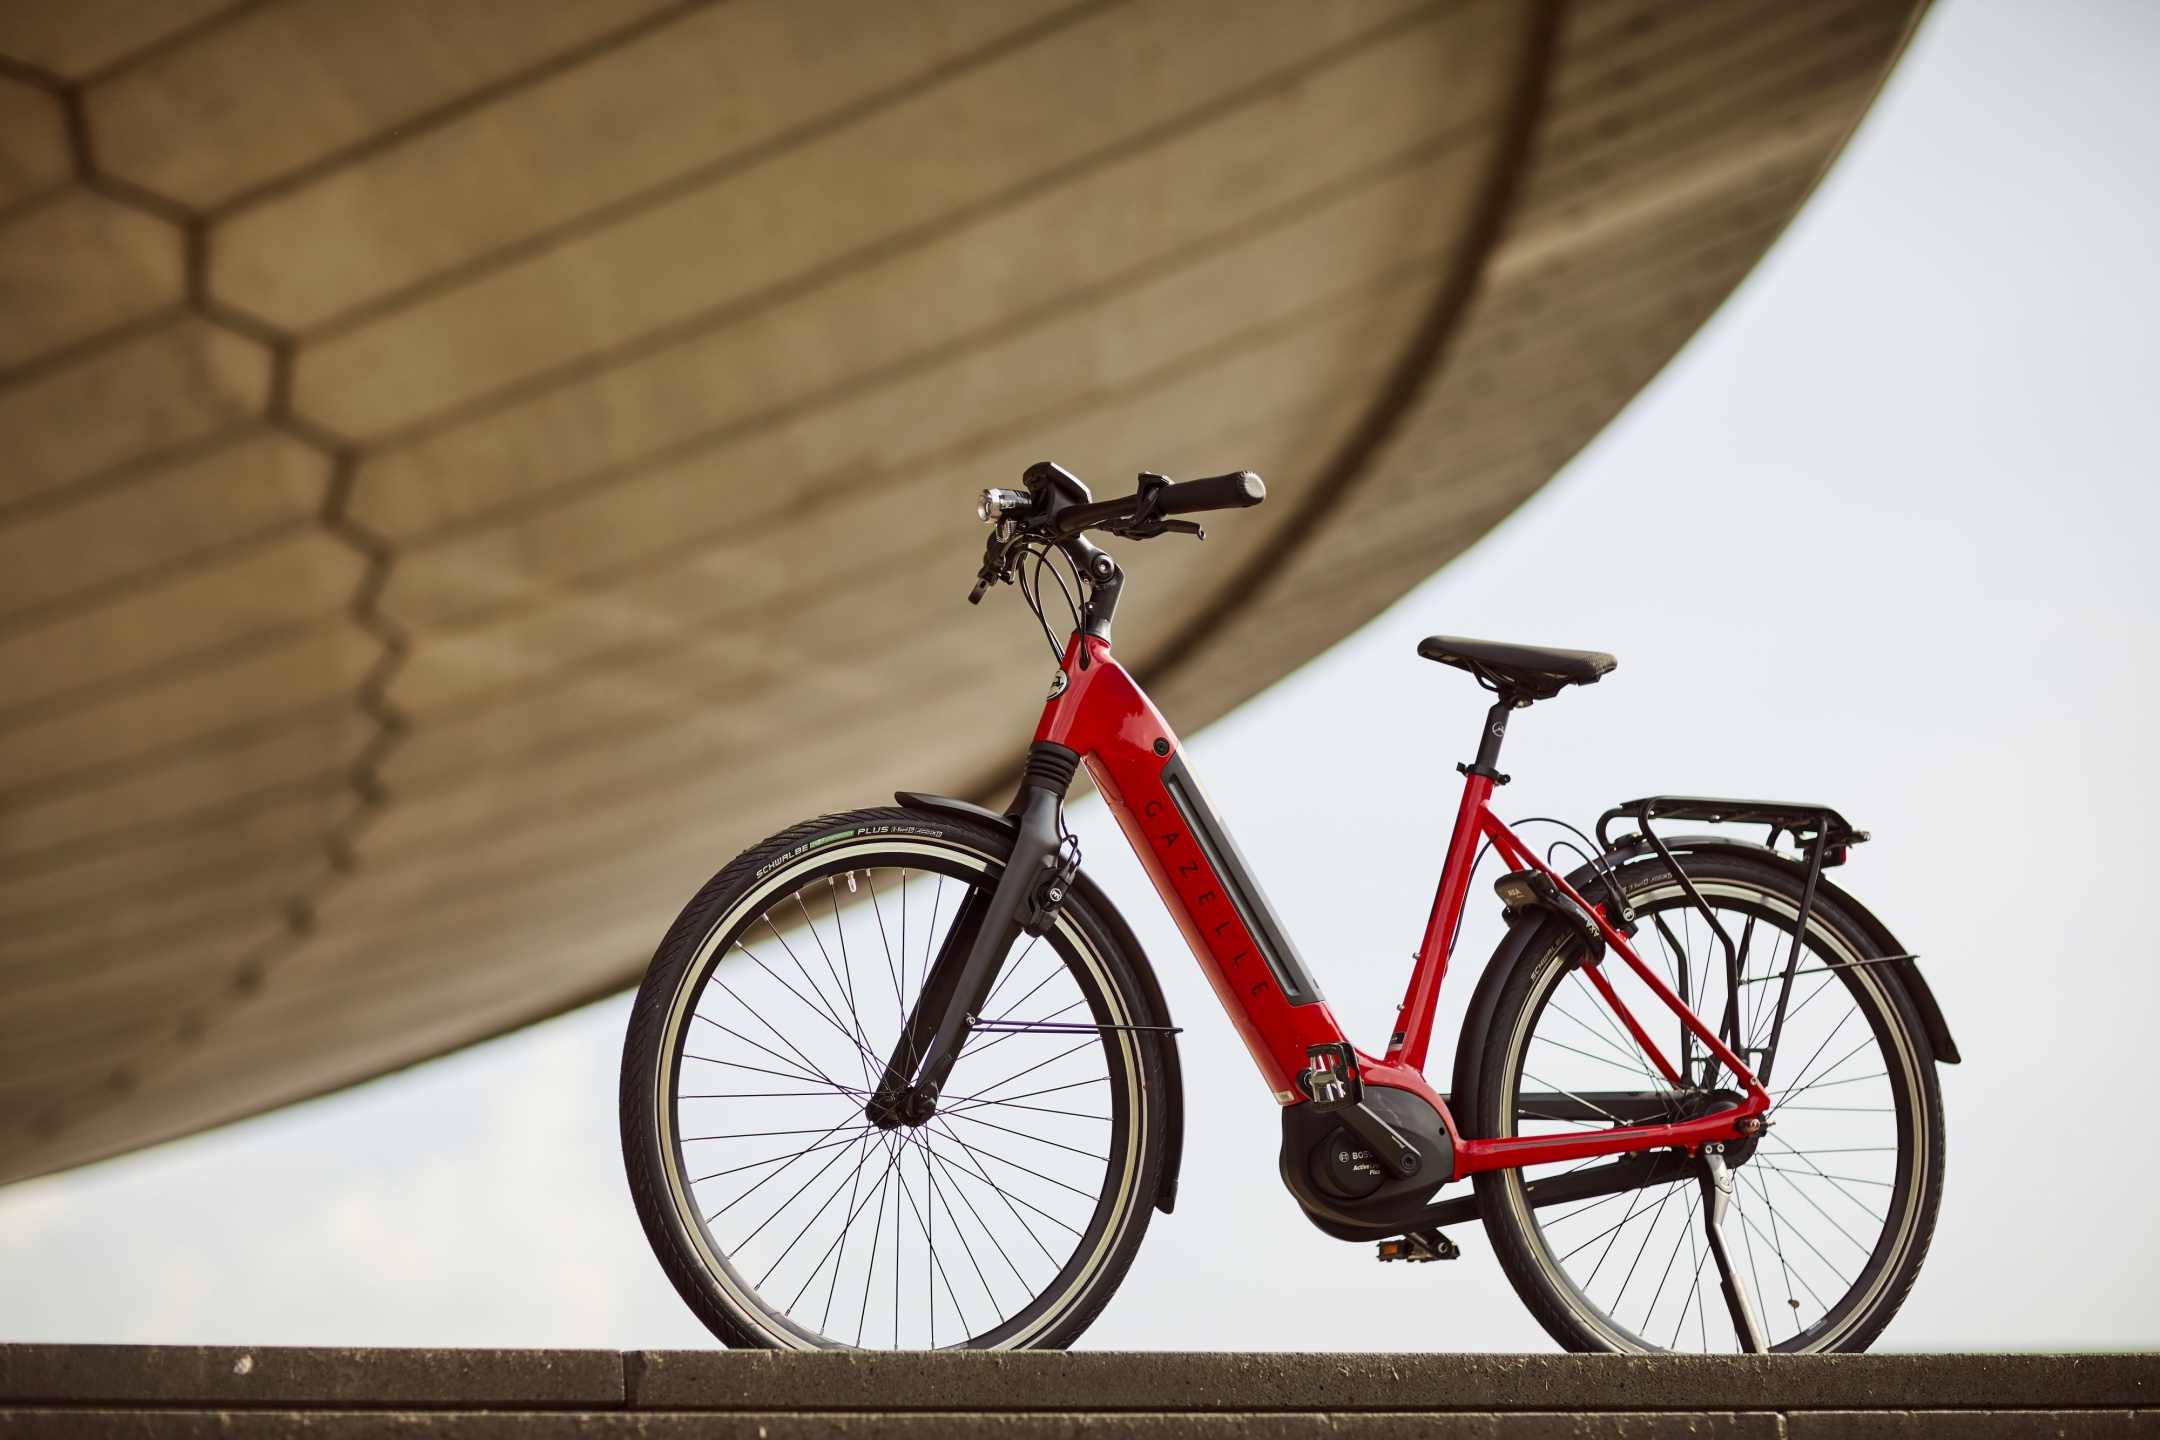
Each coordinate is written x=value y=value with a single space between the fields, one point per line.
x=467 y=469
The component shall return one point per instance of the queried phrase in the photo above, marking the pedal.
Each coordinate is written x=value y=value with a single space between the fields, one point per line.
x=1331 y=1082
x=1420 y=1246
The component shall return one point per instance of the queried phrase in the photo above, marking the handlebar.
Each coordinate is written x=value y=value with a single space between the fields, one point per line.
x=1239 y=490
x=1056 y=507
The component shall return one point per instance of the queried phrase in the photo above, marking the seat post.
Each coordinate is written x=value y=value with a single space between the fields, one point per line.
x=1487 y=763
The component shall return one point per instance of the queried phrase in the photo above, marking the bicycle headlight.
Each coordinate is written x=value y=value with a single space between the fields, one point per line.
x=994 y=504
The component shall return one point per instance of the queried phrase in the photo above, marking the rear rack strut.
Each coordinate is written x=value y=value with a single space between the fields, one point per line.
x=1830 y=833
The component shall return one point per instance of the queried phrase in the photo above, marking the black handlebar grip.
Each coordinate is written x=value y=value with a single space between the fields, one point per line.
x=1238 y=491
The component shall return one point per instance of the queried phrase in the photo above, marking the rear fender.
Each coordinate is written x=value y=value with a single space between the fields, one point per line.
x=1931 y=1017
x=1529 y=933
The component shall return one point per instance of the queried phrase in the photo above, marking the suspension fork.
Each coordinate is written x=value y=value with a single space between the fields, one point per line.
x=968 y=963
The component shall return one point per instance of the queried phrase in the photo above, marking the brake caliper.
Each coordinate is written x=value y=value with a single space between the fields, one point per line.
x=1048 y=899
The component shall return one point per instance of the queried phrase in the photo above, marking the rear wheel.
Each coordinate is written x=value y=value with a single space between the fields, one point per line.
x=785 y=1218
x=1832 y=1206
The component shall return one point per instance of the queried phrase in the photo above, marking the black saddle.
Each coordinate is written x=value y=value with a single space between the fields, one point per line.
x=1530 y=672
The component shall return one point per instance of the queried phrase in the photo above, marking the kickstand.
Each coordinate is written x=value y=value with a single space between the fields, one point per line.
x=1717 y=1188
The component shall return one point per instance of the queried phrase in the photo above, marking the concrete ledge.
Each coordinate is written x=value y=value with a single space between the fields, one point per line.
x=185 y=1391
x=284 y=1376
x=928 y=1425
x=1112 y=1381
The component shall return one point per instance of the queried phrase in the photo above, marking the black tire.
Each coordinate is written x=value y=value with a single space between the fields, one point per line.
x=1851 y=1168
x=789 y=959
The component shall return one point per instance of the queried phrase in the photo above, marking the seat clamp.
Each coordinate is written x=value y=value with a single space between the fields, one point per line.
x=1485 y=770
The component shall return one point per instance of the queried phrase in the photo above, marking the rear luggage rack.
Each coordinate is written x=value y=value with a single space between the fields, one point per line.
x=1803 y=823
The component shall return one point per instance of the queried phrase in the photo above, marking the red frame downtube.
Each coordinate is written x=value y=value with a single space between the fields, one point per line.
x=1103 y=715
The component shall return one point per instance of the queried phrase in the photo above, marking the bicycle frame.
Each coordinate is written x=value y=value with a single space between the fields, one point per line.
x=1134 y=757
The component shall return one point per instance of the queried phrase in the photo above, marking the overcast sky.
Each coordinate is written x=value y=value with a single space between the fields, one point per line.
x=1881 y=537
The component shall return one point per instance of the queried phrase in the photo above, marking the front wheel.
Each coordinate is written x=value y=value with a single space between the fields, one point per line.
x=784 y=1216
x=1831 y=1207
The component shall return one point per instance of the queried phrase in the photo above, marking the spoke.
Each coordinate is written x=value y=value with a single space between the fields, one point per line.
x=870 y=1275
x=1644 y=1248
x=780 y=1159
x=977 y=1099
x=1677 y=964
x=1636 y=1199
x=1010 y=1198
x=844 y=983
x=1629 y=1057
x=837 y=1157
x=1005 y=1016
x=847 y=1228
x=812 y=1073
x=1788 y=1096
x=1801 y=1236
x=1754 y=1271
x=980 y=1224
x=814 y=1216
x=937 y=1193
x=1016 y=1165
x=1011 y=968
x=760 y=1070
x=1818 y=1173
x=1011 y=1202
x=777 y=1032
x=854 y=1035
x=1848 y=1080
x=870 y=881
x=760 y=1134
x=1624 y=1043
x=1762 y=1164
x=1039 y=1140
x=922 y=1227
x=1702 y=1333
x=760 y=1094
x=1687 y=1230
x=1033 y=1068
x=1558 y=1045
x=1822 y=987
x=1817 y=1053
x=1563 y=1090
x=1031 y=1109
x=1747 y=936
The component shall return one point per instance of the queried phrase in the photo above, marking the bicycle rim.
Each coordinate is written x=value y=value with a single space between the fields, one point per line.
x=1832 y=1206
x=986 y=1226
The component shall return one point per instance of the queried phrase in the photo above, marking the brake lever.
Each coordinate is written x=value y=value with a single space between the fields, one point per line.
x=1149 y=529
x=1147 y=520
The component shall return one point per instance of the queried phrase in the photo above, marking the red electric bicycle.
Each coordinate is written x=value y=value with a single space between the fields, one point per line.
x=902 y=1077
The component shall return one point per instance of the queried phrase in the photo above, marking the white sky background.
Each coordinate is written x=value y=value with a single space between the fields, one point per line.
x=1881 y=537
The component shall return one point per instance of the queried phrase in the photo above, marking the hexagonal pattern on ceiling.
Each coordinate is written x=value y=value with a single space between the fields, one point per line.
x=468 y=468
